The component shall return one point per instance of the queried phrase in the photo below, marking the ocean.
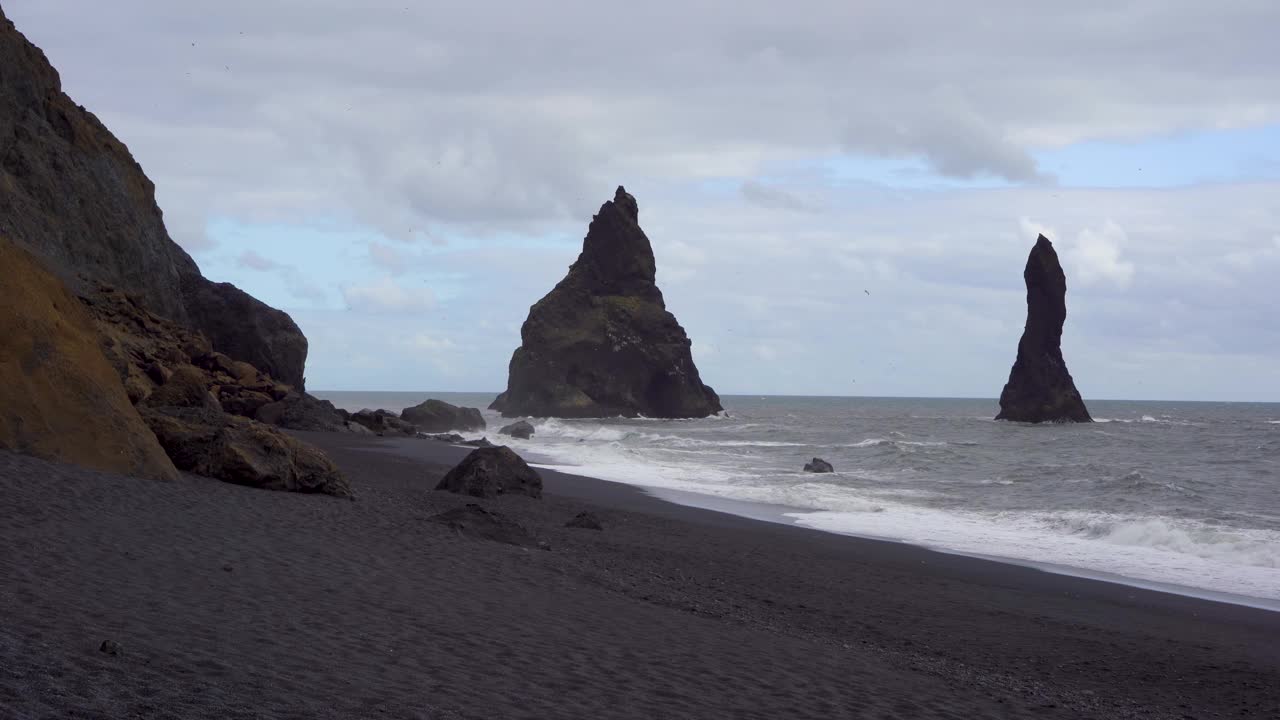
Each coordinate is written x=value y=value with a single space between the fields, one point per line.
x=1183 y=496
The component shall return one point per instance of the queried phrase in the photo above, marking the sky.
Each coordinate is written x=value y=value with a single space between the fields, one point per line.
x=841 y=194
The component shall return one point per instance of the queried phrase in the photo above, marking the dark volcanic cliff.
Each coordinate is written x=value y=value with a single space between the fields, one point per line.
x=602 y=342
x=71 y=193
x=1040 y=389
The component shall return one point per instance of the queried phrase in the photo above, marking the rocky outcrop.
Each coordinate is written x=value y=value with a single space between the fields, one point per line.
x=60 y=398
x=437 y=416
x=247 y=329
x=602 y=343
x=1040 y=389
x=241 y=451
x=490 y=472
x=473 y=521
x=451 y=438
x=818 y=465
x=72 y=194
x=522 y=430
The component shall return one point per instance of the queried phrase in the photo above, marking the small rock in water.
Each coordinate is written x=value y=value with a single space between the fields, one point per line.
x=818 y=465
x=111 y=647
x=522 y=430
x=586 y=521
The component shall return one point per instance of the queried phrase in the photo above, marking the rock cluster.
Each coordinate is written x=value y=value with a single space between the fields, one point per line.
x=1040 y=389
x=602 y=343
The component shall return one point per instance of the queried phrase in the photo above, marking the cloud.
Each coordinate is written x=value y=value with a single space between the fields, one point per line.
x=773 y=197
x=1095 y=256
x=422 y=124
x=253 y=261
x=387 y=258
x=387 y=296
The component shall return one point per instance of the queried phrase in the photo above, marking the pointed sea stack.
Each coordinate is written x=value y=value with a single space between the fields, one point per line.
x=1040 y=389
x=602 y=343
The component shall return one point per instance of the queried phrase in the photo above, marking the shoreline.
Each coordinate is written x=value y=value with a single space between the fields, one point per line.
x=237 y=602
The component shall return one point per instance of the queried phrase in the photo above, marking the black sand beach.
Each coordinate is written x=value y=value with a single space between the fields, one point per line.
x=230 y=602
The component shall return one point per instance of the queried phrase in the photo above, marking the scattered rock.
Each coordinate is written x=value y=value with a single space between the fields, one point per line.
x=490 y=472
x=522 y=430
x=436 y=416
x=602 y=343
x=818 y=465
x=452 y=438
x=481 y=443
x=111 y=647
x=185 y=388
x=383 y=422
x=586 y=521
x=241 y=451
x=1040 y=389
x=475 y=522
x=227 y=568
x=60 y=396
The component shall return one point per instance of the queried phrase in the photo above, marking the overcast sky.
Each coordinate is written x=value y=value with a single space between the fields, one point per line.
x=841 y=195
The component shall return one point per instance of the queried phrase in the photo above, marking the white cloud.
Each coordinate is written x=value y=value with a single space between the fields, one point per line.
x=387 y=296
x=1096 y=256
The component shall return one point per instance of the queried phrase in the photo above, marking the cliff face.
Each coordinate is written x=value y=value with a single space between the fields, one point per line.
x=1040 y=389
x=60 y=398
x=72 y=194
x=602 y=343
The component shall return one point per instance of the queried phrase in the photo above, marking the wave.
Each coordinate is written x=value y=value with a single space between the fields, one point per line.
x=883 y=442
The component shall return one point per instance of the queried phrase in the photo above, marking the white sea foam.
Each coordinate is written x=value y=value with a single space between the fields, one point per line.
x=726 y=463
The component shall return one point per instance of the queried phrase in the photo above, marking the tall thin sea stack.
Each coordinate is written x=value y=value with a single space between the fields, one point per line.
x=1040 y=389
x=602 y=343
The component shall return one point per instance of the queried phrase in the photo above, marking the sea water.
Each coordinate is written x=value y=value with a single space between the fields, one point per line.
x=1167 y=493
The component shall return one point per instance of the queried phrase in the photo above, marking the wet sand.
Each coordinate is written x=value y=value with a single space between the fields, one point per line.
x=229 y=602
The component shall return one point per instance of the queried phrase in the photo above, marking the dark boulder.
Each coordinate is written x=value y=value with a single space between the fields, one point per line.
x=475 y=522
x=72 y=194
x=585 y=521
x=300 y=411
x=383 y=422
x=481 y=443
x=490 y=472
x=111 y=647
x=435 y=416
x=818 y=465
x=241 y=451
x=602 y=343
x=1040 y=389
x=522 y=430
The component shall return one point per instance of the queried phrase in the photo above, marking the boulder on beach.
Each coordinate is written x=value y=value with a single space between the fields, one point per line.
x=585 y=521
x=383 y=422
x=475 y=522
x=60 y=398
x=300 y=411
x=602 y=343
x=818 y=465
x=242 y=451
x=1040 y=389
x=73 y=195
x=490 y=472
x=437 y=416
x=521 y=429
